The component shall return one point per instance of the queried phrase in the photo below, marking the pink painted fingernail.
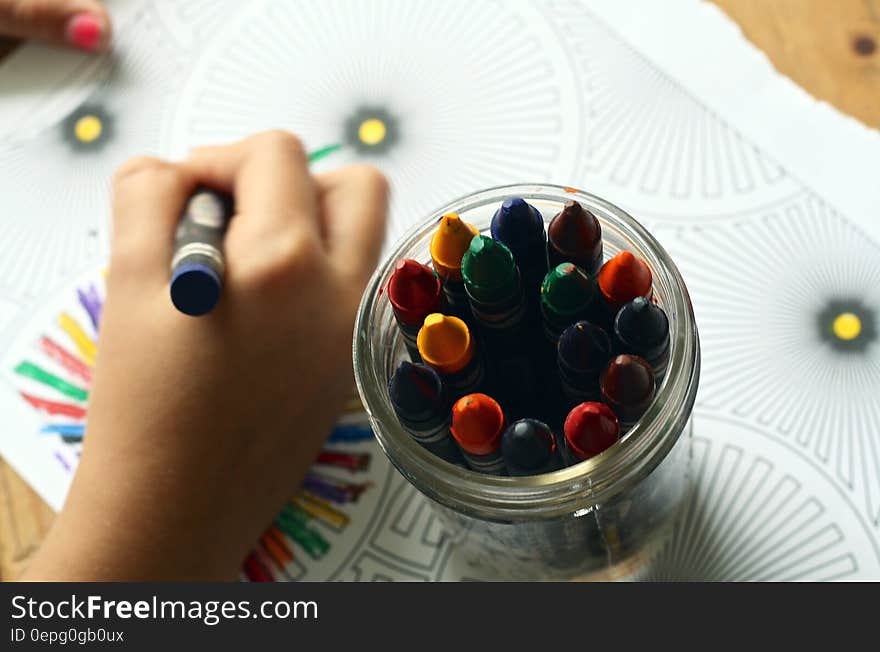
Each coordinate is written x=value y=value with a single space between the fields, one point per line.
x=84 y=31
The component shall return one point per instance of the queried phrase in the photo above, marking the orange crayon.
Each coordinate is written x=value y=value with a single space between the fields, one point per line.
x=448 y=244
x=477 y=425
x=623 y=278
x=445 y=343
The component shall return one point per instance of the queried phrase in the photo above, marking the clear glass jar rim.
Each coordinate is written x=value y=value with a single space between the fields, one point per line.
x=570 y=489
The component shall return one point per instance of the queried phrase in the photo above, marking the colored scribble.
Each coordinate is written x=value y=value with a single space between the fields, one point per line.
x=54 y=381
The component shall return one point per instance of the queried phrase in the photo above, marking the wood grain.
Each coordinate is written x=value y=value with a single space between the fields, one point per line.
x=830 y=47
x=817 y=43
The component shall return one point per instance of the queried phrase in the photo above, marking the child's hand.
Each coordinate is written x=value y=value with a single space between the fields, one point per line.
x=82 y=24
x=199 y=428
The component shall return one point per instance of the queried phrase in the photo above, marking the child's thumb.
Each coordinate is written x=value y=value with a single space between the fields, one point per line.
x=83 y=24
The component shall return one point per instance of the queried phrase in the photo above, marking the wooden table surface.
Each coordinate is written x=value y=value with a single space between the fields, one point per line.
x=829 y=47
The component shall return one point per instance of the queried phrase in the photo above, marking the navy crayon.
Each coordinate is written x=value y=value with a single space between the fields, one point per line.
x=198 y=263
x=642 y=328
x=520 y=227
x=529 y=448
x=422 y=407
x=583 y=352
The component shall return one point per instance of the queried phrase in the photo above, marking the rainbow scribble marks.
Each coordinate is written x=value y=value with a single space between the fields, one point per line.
x=54 y=379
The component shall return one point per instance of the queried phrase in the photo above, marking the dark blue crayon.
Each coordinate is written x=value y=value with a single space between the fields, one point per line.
x=642 y=328
x=423 y=409
x=520 y=226
x=582 y=353
x=529 y=448
x=198 y=263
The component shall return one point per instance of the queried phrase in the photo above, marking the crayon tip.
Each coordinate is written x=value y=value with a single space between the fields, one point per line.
x=445 y=343
x=195 y=288
x=414 y=291
x=627 y=385
x=566 y=290
x=477 y=424
x=488 y=264
x=584 y=347
x=574 y=234
x=528 y=444
x=517 y=224
x=448 y=244
x=623 y=278
x=590 y=428
x=416 y=391
x=642 y=326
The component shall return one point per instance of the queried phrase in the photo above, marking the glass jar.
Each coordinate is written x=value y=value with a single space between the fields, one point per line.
x=603 y=518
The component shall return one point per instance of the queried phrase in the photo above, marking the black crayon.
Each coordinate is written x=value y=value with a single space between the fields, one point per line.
x=423 y=409
x=530 y=448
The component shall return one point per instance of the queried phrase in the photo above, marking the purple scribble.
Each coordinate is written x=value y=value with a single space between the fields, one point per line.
x=336 y=491
x=60 y=458
x=92 y=302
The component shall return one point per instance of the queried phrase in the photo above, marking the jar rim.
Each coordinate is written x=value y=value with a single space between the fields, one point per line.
x=574 y=488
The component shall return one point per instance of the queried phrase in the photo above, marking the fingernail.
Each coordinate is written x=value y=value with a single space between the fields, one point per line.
x=85 y=31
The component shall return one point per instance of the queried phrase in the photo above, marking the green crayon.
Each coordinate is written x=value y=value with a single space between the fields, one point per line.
x=495 y=294
x=566 y=296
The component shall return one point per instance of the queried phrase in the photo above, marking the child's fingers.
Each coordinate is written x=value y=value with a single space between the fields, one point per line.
x=82 y=24
x=149 y=196
x=354 y=204
x=269 y=177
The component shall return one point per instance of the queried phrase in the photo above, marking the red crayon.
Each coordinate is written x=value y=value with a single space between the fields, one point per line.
x=590 y=428
x=477 y=426
x=627 y=386
x=414 y=292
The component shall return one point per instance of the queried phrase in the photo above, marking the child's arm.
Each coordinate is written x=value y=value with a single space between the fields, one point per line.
x=83 y=24
x=199 y=428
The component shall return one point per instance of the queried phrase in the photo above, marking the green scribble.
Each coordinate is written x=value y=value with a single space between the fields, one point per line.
x=323 y=152
x=30 y=370
x=292 y=521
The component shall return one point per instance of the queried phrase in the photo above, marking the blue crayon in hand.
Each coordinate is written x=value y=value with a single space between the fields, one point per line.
x=422 y=407
x=198 y=263
x=529 y=448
